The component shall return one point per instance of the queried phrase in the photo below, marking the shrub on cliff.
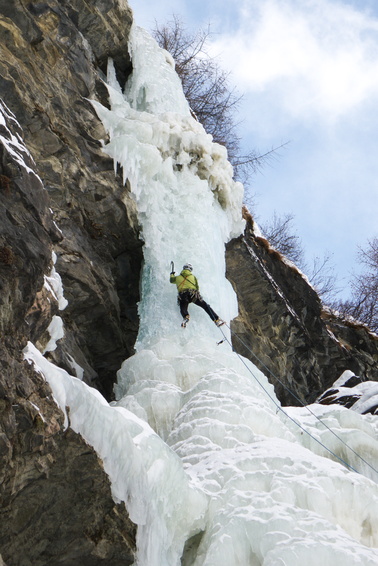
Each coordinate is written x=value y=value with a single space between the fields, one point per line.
x=207 y=89
x=363 y=305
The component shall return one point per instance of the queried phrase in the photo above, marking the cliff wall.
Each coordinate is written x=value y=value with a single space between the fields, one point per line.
x=59 y=192
x=283 y=328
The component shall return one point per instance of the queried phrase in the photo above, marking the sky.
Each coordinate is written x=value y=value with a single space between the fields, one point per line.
x=308 y=74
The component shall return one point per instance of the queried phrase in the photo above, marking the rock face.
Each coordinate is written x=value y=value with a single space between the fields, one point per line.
x=283 y=328
x=53 y=54
x=352 y=392
x=55 y=501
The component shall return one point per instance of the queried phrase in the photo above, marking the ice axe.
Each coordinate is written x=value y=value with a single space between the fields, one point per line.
x=172 y=267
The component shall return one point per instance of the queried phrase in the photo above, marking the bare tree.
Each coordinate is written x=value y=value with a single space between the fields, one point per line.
x=253 y=162
x=321 y=275
x=204 y=83
x=363 y=305
x=211 y=98
x=282 y=236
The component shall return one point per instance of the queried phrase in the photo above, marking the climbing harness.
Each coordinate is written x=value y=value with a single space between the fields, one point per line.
x=189 y=295
x=298 y=399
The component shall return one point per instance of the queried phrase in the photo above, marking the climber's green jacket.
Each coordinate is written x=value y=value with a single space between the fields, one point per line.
x=186 y=280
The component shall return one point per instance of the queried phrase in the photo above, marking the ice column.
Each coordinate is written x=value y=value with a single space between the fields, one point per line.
x=188 y=203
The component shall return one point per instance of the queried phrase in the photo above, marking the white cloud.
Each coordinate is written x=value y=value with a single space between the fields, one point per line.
x=194 y=14
x=318 y=56
x=147 y=12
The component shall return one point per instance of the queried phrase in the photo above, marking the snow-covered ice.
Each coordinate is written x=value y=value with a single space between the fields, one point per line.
x=363 y=395
x=56 y=331
x=13 y=143
x=53 y=284
x=212 y=470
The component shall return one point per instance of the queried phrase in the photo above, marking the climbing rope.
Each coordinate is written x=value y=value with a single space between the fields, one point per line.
x=300 y=401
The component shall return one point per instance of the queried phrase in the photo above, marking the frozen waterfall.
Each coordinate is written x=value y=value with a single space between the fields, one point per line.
x=211 y=471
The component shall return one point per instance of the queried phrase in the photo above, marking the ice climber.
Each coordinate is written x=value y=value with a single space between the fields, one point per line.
x=188 y=292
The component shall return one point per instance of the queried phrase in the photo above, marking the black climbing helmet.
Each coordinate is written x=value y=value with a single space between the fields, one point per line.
x=188 y=266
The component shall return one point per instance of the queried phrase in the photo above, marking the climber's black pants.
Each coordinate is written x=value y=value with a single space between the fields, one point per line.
x=192 y=296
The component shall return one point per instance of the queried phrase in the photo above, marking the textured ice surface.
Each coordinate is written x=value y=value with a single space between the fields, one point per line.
x=145 y=473
x=271 y=500
x=189 y=206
